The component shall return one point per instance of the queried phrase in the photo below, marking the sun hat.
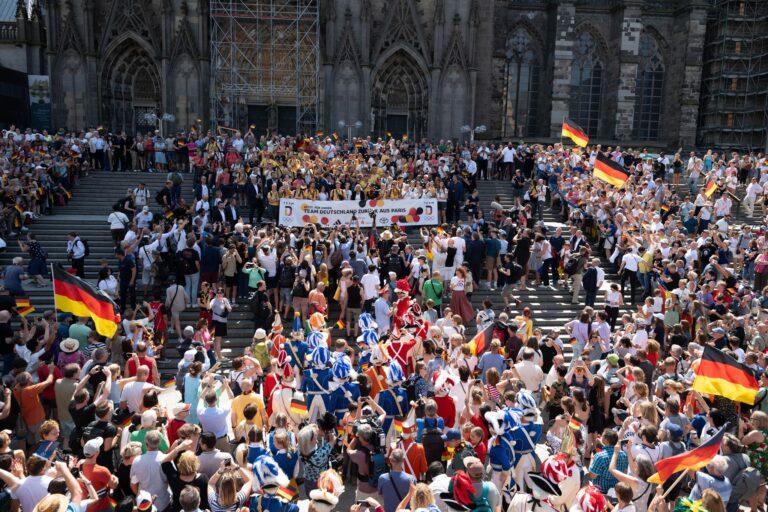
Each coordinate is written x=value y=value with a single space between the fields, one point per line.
x=69 y=345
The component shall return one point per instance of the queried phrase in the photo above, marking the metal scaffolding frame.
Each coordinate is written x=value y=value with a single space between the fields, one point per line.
x=266 y=53
x=734 y=92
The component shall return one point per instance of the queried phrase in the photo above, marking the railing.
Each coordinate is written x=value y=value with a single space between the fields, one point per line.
x=8 y=31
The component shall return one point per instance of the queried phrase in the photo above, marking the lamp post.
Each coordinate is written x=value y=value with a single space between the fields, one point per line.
x=356 y=125
x=153 y=118
x=472 y=131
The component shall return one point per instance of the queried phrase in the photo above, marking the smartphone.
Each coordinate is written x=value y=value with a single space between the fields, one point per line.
x=228 y=462
x=363 y=503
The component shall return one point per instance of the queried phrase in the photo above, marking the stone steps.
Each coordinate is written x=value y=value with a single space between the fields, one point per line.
x=94 y=196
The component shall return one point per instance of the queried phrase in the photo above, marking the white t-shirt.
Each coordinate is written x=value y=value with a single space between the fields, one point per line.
x=269 y=262
x=118 y=220
x=630 y=261
x=132 y=394
x=370 y=283
x=31 y=491
x=508 y=154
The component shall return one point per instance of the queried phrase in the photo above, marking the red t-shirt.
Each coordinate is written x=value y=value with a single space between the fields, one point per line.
x=160 y=323
x=42 y=373
x=482 y=450
x=99 y=477
x=477 y=421
x=173 y=430
x=147 y=361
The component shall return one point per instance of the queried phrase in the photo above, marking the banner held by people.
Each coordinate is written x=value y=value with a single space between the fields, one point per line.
x=387 y=212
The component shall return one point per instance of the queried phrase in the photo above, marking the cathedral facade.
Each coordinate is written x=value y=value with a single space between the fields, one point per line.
x=626 y=71
x=116 y=63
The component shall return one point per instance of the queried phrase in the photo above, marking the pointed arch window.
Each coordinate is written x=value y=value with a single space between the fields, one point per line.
x=586 y=84
x=649 y=88
x=522 y=86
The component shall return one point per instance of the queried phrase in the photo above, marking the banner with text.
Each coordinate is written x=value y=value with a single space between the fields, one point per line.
x=405 y=212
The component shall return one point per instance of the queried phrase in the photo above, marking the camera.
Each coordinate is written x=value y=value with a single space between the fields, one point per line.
x=379 y=440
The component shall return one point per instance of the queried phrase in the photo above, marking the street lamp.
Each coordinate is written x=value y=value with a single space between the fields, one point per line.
x=356 y=125
x=472 y=131
x=153 y=118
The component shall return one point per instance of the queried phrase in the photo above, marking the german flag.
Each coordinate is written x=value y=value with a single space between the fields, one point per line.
x=24 y=307
x=389 y=134
x=73 y=295
x=665 y=294
x=720 y=374
x=170 y=384
x=340 y=324
x=694 y=459
x=447 y=454
x=574 y=424
x=610 y=172
x=335 y=136
x=299 y=406
x=711 y=188
x=398 y=425
x=664 y=208
x=575 y=133
x=320 y=134
x=481 y=341
x=286 y=493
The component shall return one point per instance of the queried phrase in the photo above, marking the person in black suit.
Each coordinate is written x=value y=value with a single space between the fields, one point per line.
x=202 y=188
x=232 y=213
x=254 y=193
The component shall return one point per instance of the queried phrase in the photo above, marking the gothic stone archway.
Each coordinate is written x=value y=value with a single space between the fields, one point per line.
x=400 y=98
x=130 y=88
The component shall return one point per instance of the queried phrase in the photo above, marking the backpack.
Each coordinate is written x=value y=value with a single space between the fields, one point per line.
x=159 y=197
x=261 y=354
x=457 y=464
x=377 y=466
x=745 y=483
x=86 y=247
x=432 y=441
x=572 y=266
x=481 y=502
x=176 y=179
x=180 y=374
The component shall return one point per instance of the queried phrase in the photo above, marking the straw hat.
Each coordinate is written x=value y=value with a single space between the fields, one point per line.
x=69 y=345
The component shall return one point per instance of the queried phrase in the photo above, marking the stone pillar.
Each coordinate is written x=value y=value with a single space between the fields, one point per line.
x=629 y=58
x=695 y=27
x=561 y=82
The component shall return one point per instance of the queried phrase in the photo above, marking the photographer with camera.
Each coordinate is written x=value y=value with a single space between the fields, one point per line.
x=366 y=450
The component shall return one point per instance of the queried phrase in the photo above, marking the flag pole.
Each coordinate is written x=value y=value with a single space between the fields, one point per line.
x=674 y=484
x=53 y=283
x=561 y=134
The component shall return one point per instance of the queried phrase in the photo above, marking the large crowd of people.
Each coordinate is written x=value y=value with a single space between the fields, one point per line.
x=364 y=375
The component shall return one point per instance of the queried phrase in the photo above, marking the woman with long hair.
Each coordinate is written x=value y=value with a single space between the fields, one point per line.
x=315 y=448
x=204 y=297
x=226 y=493
x=459 y=303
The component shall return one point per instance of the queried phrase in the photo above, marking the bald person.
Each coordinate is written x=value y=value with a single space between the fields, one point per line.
x=133 y=392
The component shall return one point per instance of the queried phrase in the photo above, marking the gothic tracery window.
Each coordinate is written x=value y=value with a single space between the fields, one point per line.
x=649 y=87
x=586 y=83
x=522 y=86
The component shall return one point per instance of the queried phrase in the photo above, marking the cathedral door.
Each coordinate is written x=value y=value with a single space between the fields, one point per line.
x=130 y=89
x=400 y=98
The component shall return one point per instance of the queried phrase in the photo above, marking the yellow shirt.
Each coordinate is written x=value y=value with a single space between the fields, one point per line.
x=646 y=263
x=240 y=402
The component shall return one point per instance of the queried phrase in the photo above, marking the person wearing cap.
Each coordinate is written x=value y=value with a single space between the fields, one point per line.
x=100 y=477
x=180 y=412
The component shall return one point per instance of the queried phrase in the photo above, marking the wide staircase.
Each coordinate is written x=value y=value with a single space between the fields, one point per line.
x=92 y=202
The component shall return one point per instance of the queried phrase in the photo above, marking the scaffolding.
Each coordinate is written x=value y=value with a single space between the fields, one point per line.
x=265 y=64
x=734 y=98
